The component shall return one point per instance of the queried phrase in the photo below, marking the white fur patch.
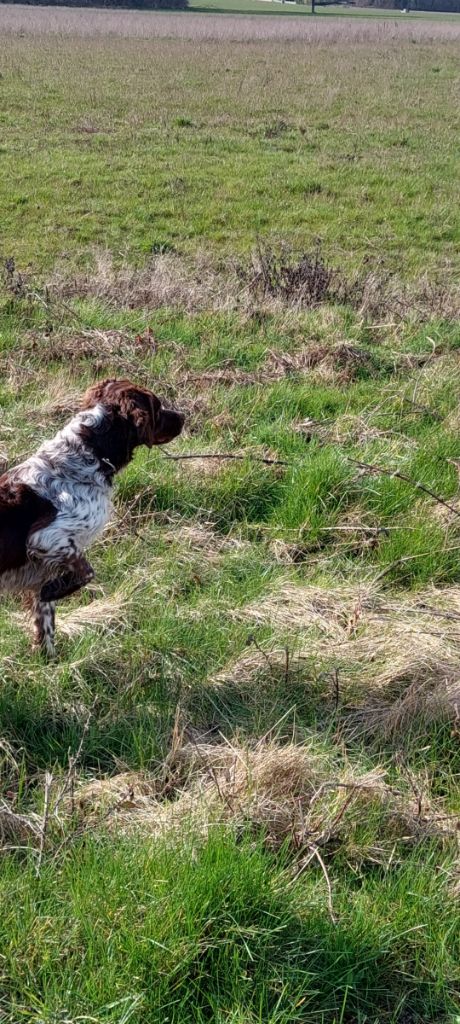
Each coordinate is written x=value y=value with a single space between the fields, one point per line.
x=66 y=473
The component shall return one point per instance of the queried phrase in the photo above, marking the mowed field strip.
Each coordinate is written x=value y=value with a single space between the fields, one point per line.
x=234 y=796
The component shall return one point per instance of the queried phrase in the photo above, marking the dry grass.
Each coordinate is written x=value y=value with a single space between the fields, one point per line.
x=106 y=613
x=191 y=537
x=352 y=428
x=200 y=28
x=165 y=281
x=401 y=655
x=17 y=830
x=118 y=349
x=172 y=281
x=289 y=793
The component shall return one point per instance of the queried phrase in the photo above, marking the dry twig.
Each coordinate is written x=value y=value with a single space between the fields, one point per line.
x=381 y=470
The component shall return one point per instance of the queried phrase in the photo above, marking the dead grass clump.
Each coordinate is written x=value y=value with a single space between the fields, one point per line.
x=351 y=537
x=16 y=829
x=166 y=280
x=352 y=428
x=121 y=794
x=401 y=656
x=203 y=538
x=112 y=348
x=203 y=467
x=296 y=608
x=414 y=698
x=289 y=793
x=61 y=398
x=342 y=362
x=290 y=552
x=377 y=294
x=107 y=613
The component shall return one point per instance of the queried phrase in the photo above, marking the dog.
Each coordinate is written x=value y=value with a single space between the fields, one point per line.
x=55 y=504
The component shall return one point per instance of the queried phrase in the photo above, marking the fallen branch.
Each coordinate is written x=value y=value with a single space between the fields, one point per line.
x=382 y=471
x=229 y=455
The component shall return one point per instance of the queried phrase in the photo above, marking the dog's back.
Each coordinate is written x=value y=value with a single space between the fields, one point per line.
x=20 y=510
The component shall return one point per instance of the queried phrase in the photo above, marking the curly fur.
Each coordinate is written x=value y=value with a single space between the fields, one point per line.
x=55 y=504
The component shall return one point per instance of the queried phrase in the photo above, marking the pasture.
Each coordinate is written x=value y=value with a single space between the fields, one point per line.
x=234 y=796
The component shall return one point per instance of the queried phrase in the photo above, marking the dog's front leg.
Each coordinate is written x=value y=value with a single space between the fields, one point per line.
x=43 y=618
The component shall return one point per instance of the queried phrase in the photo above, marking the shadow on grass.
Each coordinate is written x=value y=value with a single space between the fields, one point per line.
x=44 y=732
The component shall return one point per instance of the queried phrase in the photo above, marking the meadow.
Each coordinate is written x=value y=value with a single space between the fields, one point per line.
x=234 y=795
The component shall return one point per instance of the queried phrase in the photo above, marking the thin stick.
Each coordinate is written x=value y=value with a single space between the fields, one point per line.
x=423 y=409
x=336 y=688
x=228 y=455
x=69 y=781
x=322 y=865
x=376 y=470
x=44 y=825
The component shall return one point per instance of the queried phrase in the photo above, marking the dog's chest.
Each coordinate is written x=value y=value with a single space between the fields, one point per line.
x=89 y=508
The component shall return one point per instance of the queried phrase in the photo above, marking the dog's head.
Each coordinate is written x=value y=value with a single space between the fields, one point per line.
x=148 y=422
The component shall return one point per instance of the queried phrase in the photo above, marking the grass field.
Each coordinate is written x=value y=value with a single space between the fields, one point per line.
x=234 y=796
x=290 y=7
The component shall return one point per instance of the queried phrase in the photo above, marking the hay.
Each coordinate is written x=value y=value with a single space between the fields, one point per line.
x=17 y=829
x=402 y=654
x=103 y=613
x=287 y=793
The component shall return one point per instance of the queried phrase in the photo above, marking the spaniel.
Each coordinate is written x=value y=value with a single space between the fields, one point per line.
x=56 y=503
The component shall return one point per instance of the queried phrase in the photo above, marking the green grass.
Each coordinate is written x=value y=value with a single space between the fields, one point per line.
x=242 y=602
x=198 y=146
x=278 y=7
x=214 y=932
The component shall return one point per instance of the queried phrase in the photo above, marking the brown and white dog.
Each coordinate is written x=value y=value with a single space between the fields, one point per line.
x=56 y=503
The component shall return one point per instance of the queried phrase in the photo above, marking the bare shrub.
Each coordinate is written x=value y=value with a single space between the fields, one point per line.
x=303 y=279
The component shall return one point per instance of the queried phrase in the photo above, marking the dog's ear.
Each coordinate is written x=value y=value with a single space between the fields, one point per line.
x=143 y=409
x=137 y=406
